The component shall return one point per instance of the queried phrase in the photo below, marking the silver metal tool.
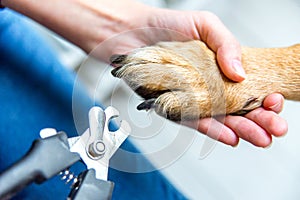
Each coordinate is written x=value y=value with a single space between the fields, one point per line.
x=97 y=144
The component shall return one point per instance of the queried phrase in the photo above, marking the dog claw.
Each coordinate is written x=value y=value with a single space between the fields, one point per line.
x=114 y=72
x=147 y=104
x=117 y=58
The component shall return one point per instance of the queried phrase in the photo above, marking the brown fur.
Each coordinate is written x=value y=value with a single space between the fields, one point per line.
x=182 y=81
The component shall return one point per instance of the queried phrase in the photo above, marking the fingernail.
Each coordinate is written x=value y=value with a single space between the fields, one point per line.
x=278 y=106
x=237 y=66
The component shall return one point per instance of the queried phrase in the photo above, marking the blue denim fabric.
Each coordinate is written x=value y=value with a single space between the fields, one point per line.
x=36 y=92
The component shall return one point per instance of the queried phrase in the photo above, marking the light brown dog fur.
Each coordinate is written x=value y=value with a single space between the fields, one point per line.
x=182 y=80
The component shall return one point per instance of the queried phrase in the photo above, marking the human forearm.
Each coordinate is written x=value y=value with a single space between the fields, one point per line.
x=85 y=23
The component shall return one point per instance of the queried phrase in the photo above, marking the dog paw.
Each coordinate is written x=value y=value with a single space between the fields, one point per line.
x=182 y=81
x=168 y=77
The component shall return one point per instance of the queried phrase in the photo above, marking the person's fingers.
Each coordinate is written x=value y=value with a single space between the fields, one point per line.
x=274 y=102
x=257 y=127
x=230 y=65
x=269 y=120
x=214 y=129
x=248 y=130
x=220 y=40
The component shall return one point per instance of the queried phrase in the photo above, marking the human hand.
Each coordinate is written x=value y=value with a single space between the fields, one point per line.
x=256 y=127
x=259 y=125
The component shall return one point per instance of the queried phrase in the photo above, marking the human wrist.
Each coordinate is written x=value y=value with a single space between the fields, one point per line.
x=68 y=18
x=115 y=17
